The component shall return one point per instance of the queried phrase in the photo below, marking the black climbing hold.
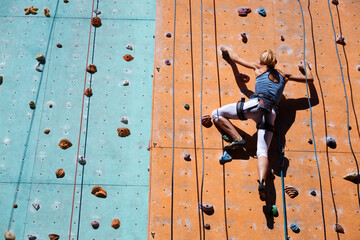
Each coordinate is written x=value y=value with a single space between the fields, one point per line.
x=59 y=45
x=313 y=193
x=36 y=206
x=82 y=160
x=244 y=11
x=168 y=35
x=339 y=228
x=32 y=105
x=335 y=2
x=244 y=37
x=352 y=177
x=207 y=208
x=330 y=142
x=262 y=12
x=1 y=79
x=340 y=40
x=187 y=106
x=15 y=206
x=350 y=128
x=294 y=227
x=168 y=62
x=187 y=156
x=31 y=237
x=153 y=234
x=207 y=226
x=225 y=158
x=310 y=141
x=282 y=38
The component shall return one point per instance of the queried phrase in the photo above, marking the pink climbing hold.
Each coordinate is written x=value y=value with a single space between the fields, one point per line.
x=168 y=62
x=244 y=11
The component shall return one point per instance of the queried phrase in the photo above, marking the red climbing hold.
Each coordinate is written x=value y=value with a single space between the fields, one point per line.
x=168 y=62
x=206 y=121
x=88 y=92
x=244 y=11
x=244 y=37
x=128 y=57
x=95 y=224
x=96 y=22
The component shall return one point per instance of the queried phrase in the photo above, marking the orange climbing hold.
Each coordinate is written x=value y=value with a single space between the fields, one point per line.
x=128 y=57
x=47 y=131
x=123 y=132
x=88 y=92
x=60 y=173
x=65 y=143
x=115 y=223
x=96 y=22
x=291 y=191
x=99 y=192
x=54 y=236
x=91 y=69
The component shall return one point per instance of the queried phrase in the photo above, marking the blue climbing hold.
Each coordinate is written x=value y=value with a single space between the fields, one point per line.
x=313 y=192
x=294 y=228
x=225 y=158
x=262 y=12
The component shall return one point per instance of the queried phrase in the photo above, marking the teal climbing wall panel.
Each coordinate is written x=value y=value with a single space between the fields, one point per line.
x=29 y=158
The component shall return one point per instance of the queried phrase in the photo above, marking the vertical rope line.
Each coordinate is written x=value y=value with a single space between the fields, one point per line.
x=311 y=120
x=81 y=118
x=201 y=100
x=86 y=133
x=173 y=133
x=194 y=116
x=347 y=104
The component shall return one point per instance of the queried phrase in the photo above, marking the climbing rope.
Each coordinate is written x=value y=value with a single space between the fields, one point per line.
x=86 y=132
x=173 y=133
x=311 y=119
x=347 y=104
x=81 y=118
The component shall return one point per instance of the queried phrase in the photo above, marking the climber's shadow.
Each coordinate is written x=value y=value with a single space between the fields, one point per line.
x=286 y=117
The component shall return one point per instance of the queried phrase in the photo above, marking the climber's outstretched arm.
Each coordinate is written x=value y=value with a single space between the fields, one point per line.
x=235 y=57
x=303 y=77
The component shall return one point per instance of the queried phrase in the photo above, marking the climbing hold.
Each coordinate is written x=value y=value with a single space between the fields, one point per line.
x=32 y=105
x=168 y=35
x=168 y=62
x=339 y=228
x=158 y=68
x=340 y=40
x=91 y=69
x=1 y=79
x=115 y=223
x=207 y=208
x=349 y=126
x=96 y=22
x=36 y=206
x=54 y=236
x=65 y=143
x=153 y=234
x=88 y=92
x=50 y=105
x=225 y=158
x=38 y=67
x=206 y=121
x=129 y=47
x=187 y=106
x=282 y=38
x=15 y=206
x=244 y=37
x=66 y=1
x=148 y=147
x=291 y=191
x=262 y=12
x=46 y=12
x=95 y=224
x=59 y=45
x=313 y=192
x=31 y=237
x=82 y=160
x=244 y=11
x=123 y=132
x=207 y=226
x=358 y=68
x=124 y=120
x=40 y=58
x=310 y=141
x=99 y=192
x=31 y=10
x=128 y=57
x=273 y=210
x=60 y=173
x=335 y=2
x=9 y=236
x=294 y=227
x=126 y=83
x=352 y=177
x=187 y=156
x=47 y=131
x=97 y=11
x=330 y=142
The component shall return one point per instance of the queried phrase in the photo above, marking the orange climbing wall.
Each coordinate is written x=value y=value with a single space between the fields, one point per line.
x=175 y=184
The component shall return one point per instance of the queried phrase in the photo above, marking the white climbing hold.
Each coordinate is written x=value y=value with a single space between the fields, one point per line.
x=129 y=47
x=38 y=67
x=97 y=11
x=126 y=83
x=125 y=120
x=82 y=160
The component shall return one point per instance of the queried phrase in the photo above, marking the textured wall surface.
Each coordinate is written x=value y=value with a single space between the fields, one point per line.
x=29 y=158
x=178 y=185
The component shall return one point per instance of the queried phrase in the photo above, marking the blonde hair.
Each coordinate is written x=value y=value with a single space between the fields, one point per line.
x=268 y=58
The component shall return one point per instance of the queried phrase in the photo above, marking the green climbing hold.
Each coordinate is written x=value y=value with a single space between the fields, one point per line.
x=187 y=106
x=273 y=210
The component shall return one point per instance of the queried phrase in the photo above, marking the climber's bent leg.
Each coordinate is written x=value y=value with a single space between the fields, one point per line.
x=221 y=118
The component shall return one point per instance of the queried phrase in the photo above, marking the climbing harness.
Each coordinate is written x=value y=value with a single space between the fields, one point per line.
x=240 y=109
x=347 y=104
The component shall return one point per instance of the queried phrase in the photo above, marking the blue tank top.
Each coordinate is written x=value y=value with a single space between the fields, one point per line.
x=271 y=90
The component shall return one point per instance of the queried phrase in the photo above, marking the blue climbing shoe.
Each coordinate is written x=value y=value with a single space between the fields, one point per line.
x=262 y=190
x=235 y=145
x=225 y=158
